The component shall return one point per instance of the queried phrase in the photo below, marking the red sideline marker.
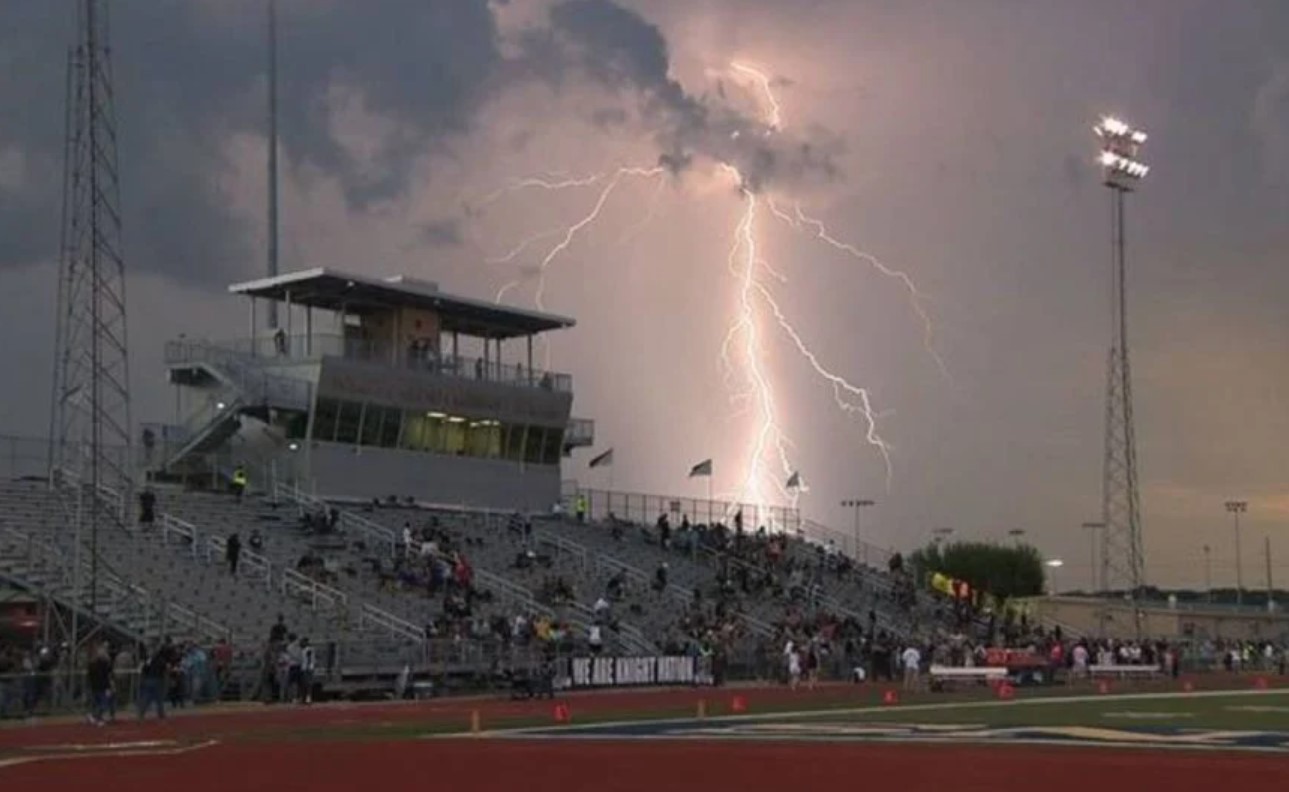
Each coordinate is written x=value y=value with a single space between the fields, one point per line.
x=738 y=704
x=890 y=697
x=1260 y=683
x=1006 y=691
x=1188 y=686
x=1103 y=686
x=562 y=715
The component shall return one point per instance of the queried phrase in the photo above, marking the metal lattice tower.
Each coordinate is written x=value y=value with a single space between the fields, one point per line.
x=90 y=459
x=1122 y=555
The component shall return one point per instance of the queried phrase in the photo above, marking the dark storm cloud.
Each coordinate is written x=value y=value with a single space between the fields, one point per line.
x=187 y=77
x=624 y=52
x=444 y=232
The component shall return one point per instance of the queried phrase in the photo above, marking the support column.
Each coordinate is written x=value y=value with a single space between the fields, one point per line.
x=253 y=344
x=308 y=331
x=530 y=360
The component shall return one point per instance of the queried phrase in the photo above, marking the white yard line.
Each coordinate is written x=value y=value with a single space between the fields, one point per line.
x=845 y=712
x=14 y=761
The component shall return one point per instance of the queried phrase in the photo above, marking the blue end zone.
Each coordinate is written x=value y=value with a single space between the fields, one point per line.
x=841 y=730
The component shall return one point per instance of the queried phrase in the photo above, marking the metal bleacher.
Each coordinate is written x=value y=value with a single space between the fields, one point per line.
x=170 y=579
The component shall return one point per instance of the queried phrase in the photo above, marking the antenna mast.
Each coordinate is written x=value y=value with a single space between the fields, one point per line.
x=90 y=463
x=272 y=164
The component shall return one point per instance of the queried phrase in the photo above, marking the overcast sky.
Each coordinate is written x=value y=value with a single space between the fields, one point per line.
x=950 y=139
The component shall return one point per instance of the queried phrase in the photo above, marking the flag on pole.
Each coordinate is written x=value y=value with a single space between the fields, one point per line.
x=703 y=468
x=794 y=481
x=603 y=460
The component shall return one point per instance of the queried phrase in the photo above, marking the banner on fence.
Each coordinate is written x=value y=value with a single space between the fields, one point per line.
x=588 y=672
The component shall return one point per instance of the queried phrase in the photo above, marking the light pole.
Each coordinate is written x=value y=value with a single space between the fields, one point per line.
x=1122 y=557
x=1208 y=572
x=1053 y=564
x=1092 y=528
x=858 y=504
x=1235 y=508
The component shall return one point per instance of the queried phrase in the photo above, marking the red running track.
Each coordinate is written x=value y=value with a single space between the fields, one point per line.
x=264 y=721
x=552 y=766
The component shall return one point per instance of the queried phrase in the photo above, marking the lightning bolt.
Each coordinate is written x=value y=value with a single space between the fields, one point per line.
x=744 y=348
x=568 y=234
x=800 y=221
x=775 y=115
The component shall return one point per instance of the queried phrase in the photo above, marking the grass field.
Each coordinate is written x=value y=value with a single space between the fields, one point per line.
x=1264 y=711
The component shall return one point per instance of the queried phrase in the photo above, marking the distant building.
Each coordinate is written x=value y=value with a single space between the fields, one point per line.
x=374 y=388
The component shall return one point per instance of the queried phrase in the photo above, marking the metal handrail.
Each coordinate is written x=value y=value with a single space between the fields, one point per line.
x=380 y=534
x=603 y=560
x=318 y=346
x=525 y=597
x=293 y=582
x=370 y=614
x=258 y=567
x=173 y=526
x=117 y=591
x=575 y=549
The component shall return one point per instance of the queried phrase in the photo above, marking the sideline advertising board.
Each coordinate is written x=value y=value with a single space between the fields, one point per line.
x=604 y=672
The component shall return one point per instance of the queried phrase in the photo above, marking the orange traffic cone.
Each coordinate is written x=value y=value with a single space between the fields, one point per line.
x=890 y=696
x=1006 y=691
x=738 y=704
x=562 y=715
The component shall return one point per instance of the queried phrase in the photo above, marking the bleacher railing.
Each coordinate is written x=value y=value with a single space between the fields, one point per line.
x=304 y=348
x=645 y=508
x=370 y=615
x=316 y=594
x=383 y=539
x=252 y=566
x=566 y=547
x=128 y=606
x=846 y=542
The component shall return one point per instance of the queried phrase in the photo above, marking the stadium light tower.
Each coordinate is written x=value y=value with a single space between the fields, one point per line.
x=90 y=464
x=1122 y=556
x=1235 y=508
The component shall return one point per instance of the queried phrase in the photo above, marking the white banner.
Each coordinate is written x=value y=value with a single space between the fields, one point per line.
x=587 y=672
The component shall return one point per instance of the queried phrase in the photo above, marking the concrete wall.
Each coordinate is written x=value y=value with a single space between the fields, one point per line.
x=1159 y=621
x=348 y=471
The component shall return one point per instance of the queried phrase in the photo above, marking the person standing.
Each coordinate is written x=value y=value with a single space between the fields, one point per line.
x=232 y=552
x=239 y=482
x=147 y=508
x=99 y=680
x=912 y=660
x=308 y=662
x=152 y=681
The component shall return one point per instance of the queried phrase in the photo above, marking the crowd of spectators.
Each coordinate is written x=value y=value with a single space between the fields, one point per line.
x=110 y=676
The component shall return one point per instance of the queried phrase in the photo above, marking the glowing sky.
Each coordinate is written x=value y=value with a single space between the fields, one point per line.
x=951 y=139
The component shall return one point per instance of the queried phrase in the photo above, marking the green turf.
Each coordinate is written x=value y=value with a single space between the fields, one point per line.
x=1268 y=711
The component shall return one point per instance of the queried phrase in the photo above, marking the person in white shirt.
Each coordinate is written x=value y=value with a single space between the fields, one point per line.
x=1079 y=669
x=308 y=662
x=912 y=660
x=594 y=639
x=793 y=658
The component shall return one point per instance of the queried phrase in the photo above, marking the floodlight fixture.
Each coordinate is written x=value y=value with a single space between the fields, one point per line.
x=1120 y=157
